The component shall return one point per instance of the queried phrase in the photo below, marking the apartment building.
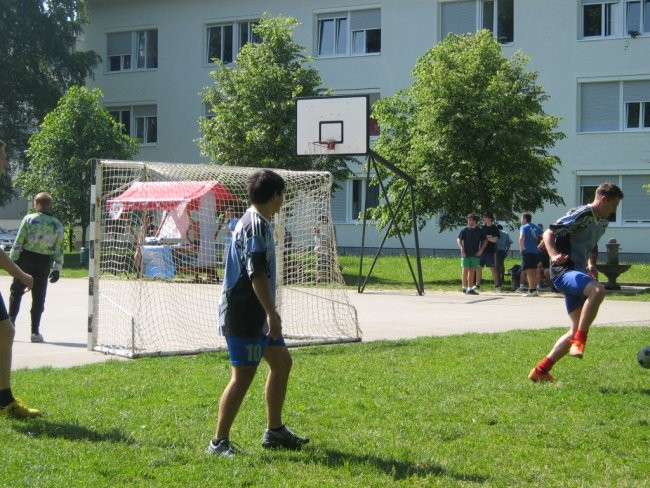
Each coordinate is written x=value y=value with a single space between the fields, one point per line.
x=593 y=59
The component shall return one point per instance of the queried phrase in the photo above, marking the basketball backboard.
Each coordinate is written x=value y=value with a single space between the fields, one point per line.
x=336 y=125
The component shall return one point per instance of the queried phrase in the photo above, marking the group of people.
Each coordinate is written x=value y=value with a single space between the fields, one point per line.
x=482 y=246
x=252 y=326
x=488 y=245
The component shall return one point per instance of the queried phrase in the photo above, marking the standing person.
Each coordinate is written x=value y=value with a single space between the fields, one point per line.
x=488 y=251
x=469 y=242
x=249 y=320
x=529 y=238
x=37 y=249
x=230 y=222
x=9 y=405
x=503 y=246
x=569 y=243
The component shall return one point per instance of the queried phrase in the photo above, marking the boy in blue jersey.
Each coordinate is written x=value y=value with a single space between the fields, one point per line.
x=249 y=320
x=529 y=238
x=569 y=243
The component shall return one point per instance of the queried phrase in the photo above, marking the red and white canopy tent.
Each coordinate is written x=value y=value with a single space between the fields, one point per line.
x=175 y=199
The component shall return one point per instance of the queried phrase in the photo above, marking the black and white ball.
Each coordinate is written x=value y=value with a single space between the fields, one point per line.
x=644 y=357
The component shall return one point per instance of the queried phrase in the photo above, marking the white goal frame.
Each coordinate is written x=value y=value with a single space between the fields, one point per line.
x=143 y=301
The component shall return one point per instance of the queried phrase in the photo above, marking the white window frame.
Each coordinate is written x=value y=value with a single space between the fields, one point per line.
x=346 y=40
x=634 y=196
x=138 y=123
x=138 y=53
x=616 y=18
x=626 y=96
x=478 y=20
x=352 y=206
x=236 y=29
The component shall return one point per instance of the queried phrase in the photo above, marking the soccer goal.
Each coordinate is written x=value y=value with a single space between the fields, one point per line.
x=157 y=239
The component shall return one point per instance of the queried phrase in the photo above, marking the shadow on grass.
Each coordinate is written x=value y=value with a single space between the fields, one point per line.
x=398 y=470
x=68 y=431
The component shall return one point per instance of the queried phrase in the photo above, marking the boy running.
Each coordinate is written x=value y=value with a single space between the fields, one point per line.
x=569 y=243
x=249 y=321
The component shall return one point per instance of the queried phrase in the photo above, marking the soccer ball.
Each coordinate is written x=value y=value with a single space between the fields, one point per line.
x=644 y=357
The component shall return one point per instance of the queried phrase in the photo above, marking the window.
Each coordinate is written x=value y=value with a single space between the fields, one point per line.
x=225 y=40
x=606 y=18
x=349 y=200
x=357 y=32
x=637 y=17
x=633 y=209
x=603 y=105
x=597 y=18
x=140 y=122
x=123 y=47
x=495 y=15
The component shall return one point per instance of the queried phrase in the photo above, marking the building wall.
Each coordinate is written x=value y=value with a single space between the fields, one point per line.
x=547 y=31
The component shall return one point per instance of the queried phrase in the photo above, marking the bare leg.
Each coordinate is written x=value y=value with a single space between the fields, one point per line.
x=7 y=333
x=232 y=398
x=495 y=276
x=479 y=276
x=464 y=277
x=531 y=275
x=581 y=319
x=595 y=293
x=471 y=277
x=280 y=363
x=561 y=347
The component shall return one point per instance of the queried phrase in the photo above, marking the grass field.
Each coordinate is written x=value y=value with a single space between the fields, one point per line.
x=452 y=411
x=441 y=412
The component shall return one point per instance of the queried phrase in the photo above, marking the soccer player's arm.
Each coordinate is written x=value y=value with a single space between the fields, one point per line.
x=262 y=288
x=556 y=258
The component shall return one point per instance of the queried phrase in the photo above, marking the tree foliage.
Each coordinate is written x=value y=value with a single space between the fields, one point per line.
x=37 y=65
x=76 y=131
x=473 y=133
x=252 y=104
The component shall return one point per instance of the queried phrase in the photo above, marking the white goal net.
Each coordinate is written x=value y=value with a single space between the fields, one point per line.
x=157 y=239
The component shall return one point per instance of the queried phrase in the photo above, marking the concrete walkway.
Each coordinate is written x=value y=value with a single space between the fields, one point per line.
x=382 y=315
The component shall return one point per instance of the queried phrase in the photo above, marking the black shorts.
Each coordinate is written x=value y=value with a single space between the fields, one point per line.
x=487 y=259
x=528 y=261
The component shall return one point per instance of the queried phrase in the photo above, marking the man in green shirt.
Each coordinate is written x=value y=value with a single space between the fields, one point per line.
x=37 y=249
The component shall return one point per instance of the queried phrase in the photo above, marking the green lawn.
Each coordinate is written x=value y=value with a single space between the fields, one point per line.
x=452 y=411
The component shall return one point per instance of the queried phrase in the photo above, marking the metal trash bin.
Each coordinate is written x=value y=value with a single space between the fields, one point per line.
x=83 y=256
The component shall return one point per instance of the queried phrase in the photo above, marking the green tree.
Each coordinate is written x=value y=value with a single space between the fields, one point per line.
x=76 y=131
x=253 y=110
x=37 y=65
x=473 y=133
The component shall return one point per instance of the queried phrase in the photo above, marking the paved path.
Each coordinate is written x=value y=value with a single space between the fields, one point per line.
x=382 y=315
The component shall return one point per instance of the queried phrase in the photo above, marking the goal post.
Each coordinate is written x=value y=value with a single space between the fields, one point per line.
x=157 y=240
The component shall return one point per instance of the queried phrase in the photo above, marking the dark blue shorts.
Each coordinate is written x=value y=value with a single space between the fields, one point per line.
x=248 y=351
x=528 y=261
x=3 y=310
x=572 y=283
x=487 y=259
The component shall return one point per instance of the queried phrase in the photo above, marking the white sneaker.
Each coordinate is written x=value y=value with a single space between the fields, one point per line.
x=531 y=294
x=37 y=338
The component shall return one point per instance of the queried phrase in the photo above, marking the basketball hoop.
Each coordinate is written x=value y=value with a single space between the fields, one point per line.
x=322 y=147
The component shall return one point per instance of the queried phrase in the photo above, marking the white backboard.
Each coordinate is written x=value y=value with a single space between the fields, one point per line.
x=335 y=125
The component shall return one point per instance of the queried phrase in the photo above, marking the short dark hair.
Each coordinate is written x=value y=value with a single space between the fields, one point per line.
x=489 y=215
x=473 y=216
x=263 y=185
x=609 y=190
x=527 y=216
